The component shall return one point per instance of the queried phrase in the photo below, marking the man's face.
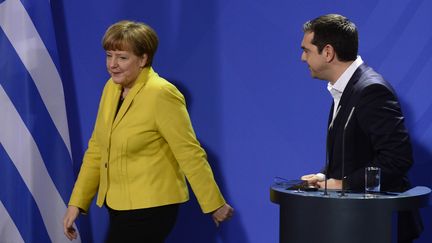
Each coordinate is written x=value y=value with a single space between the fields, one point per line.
x=317 y=62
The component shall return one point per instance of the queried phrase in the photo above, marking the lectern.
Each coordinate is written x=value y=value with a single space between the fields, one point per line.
x=354 y=218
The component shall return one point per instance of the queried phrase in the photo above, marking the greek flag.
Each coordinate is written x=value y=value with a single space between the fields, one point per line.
x=36 y=171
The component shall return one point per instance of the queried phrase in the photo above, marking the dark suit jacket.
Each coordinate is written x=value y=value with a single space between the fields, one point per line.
x=375 y=136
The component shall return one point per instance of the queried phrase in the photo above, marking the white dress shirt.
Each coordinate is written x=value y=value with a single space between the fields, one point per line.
x=338 y=88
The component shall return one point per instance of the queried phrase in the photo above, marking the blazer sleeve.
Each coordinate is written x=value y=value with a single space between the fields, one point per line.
x=174 y=124
x=87 y=183
x=379 y=115
x=88 y=179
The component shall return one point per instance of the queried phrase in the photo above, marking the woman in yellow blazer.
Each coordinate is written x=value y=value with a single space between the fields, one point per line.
x=142 y=147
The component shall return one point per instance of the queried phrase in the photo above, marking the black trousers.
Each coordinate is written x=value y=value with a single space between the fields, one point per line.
x=410 y=226
x=148 y=225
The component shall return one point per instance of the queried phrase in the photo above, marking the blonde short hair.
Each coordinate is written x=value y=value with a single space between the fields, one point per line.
x=131 y=36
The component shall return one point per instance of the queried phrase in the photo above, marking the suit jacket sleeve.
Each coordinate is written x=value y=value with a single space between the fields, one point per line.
x=379 y=115
x=174 y=124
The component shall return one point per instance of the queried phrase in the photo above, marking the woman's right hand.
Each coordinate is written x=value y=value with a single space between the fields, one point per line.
x=223 y=213
x=71 y=214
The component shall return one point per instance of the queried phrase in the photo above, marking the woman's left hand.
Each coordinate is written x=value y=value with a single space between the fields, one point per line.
x=223 y=213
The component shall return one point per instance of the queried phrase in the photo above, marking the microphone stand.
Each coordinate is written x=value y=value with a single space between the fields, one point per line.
x=343 y=152
x=327 y=152
x=326 y=169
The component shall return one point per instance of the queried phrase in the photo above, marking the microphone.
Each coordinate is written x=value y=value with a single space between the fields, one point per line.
x=327 y=152
x=343 y=151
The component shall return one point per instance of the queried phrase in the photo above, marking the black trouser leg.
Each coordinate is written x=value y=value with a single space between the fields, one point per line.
x=149 y=225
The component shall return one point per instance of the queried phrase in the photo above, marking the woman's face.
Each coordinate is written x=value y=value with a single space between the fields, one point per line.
x=124 y=67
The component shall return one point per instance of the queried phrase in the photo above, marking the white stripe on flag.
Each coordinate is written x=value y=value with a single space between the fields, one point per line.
x=8 y=230
x=16 y=138
x=21 y=32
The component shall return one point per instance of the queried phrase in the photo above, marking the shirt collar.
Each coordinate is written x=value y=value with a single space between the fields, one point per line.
x=340 y=84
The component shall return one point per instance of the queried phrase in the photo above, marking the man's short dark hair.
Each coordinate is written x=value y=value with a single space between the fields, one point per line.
x=337 y=31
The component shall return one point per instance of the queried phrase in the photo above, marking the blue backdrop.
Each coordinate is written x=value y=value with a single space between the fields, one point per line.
x=253 y=104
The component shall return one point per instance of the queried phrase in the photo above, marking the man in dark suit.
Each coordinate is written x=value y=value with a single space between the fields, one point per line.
x=376 y=134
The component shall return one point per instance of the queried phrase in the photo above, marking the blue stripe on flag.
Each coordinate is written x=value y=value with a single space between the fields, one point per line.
x=22 y=91
x=19 y=202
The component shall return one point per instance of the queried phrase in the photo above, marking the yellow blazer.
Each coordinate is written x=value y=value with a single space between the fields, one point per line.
x=139 y=158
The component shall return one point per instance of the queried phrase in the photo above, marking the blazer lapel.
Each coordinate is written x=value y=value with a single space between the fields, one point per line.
x=111 y=107
x=139 y=84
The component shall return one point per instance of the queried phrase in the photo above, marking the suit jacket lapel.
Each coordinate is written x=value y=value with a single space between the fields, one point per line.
x=346 y=101
x=345 y=107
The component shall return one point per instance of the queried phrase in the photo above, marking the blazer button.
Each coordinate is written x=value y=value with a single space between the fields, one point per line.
x=106 y=165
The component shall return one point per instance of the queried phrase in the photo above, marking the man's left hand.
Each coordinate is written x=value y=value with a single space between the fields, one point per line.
x=331 y=184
